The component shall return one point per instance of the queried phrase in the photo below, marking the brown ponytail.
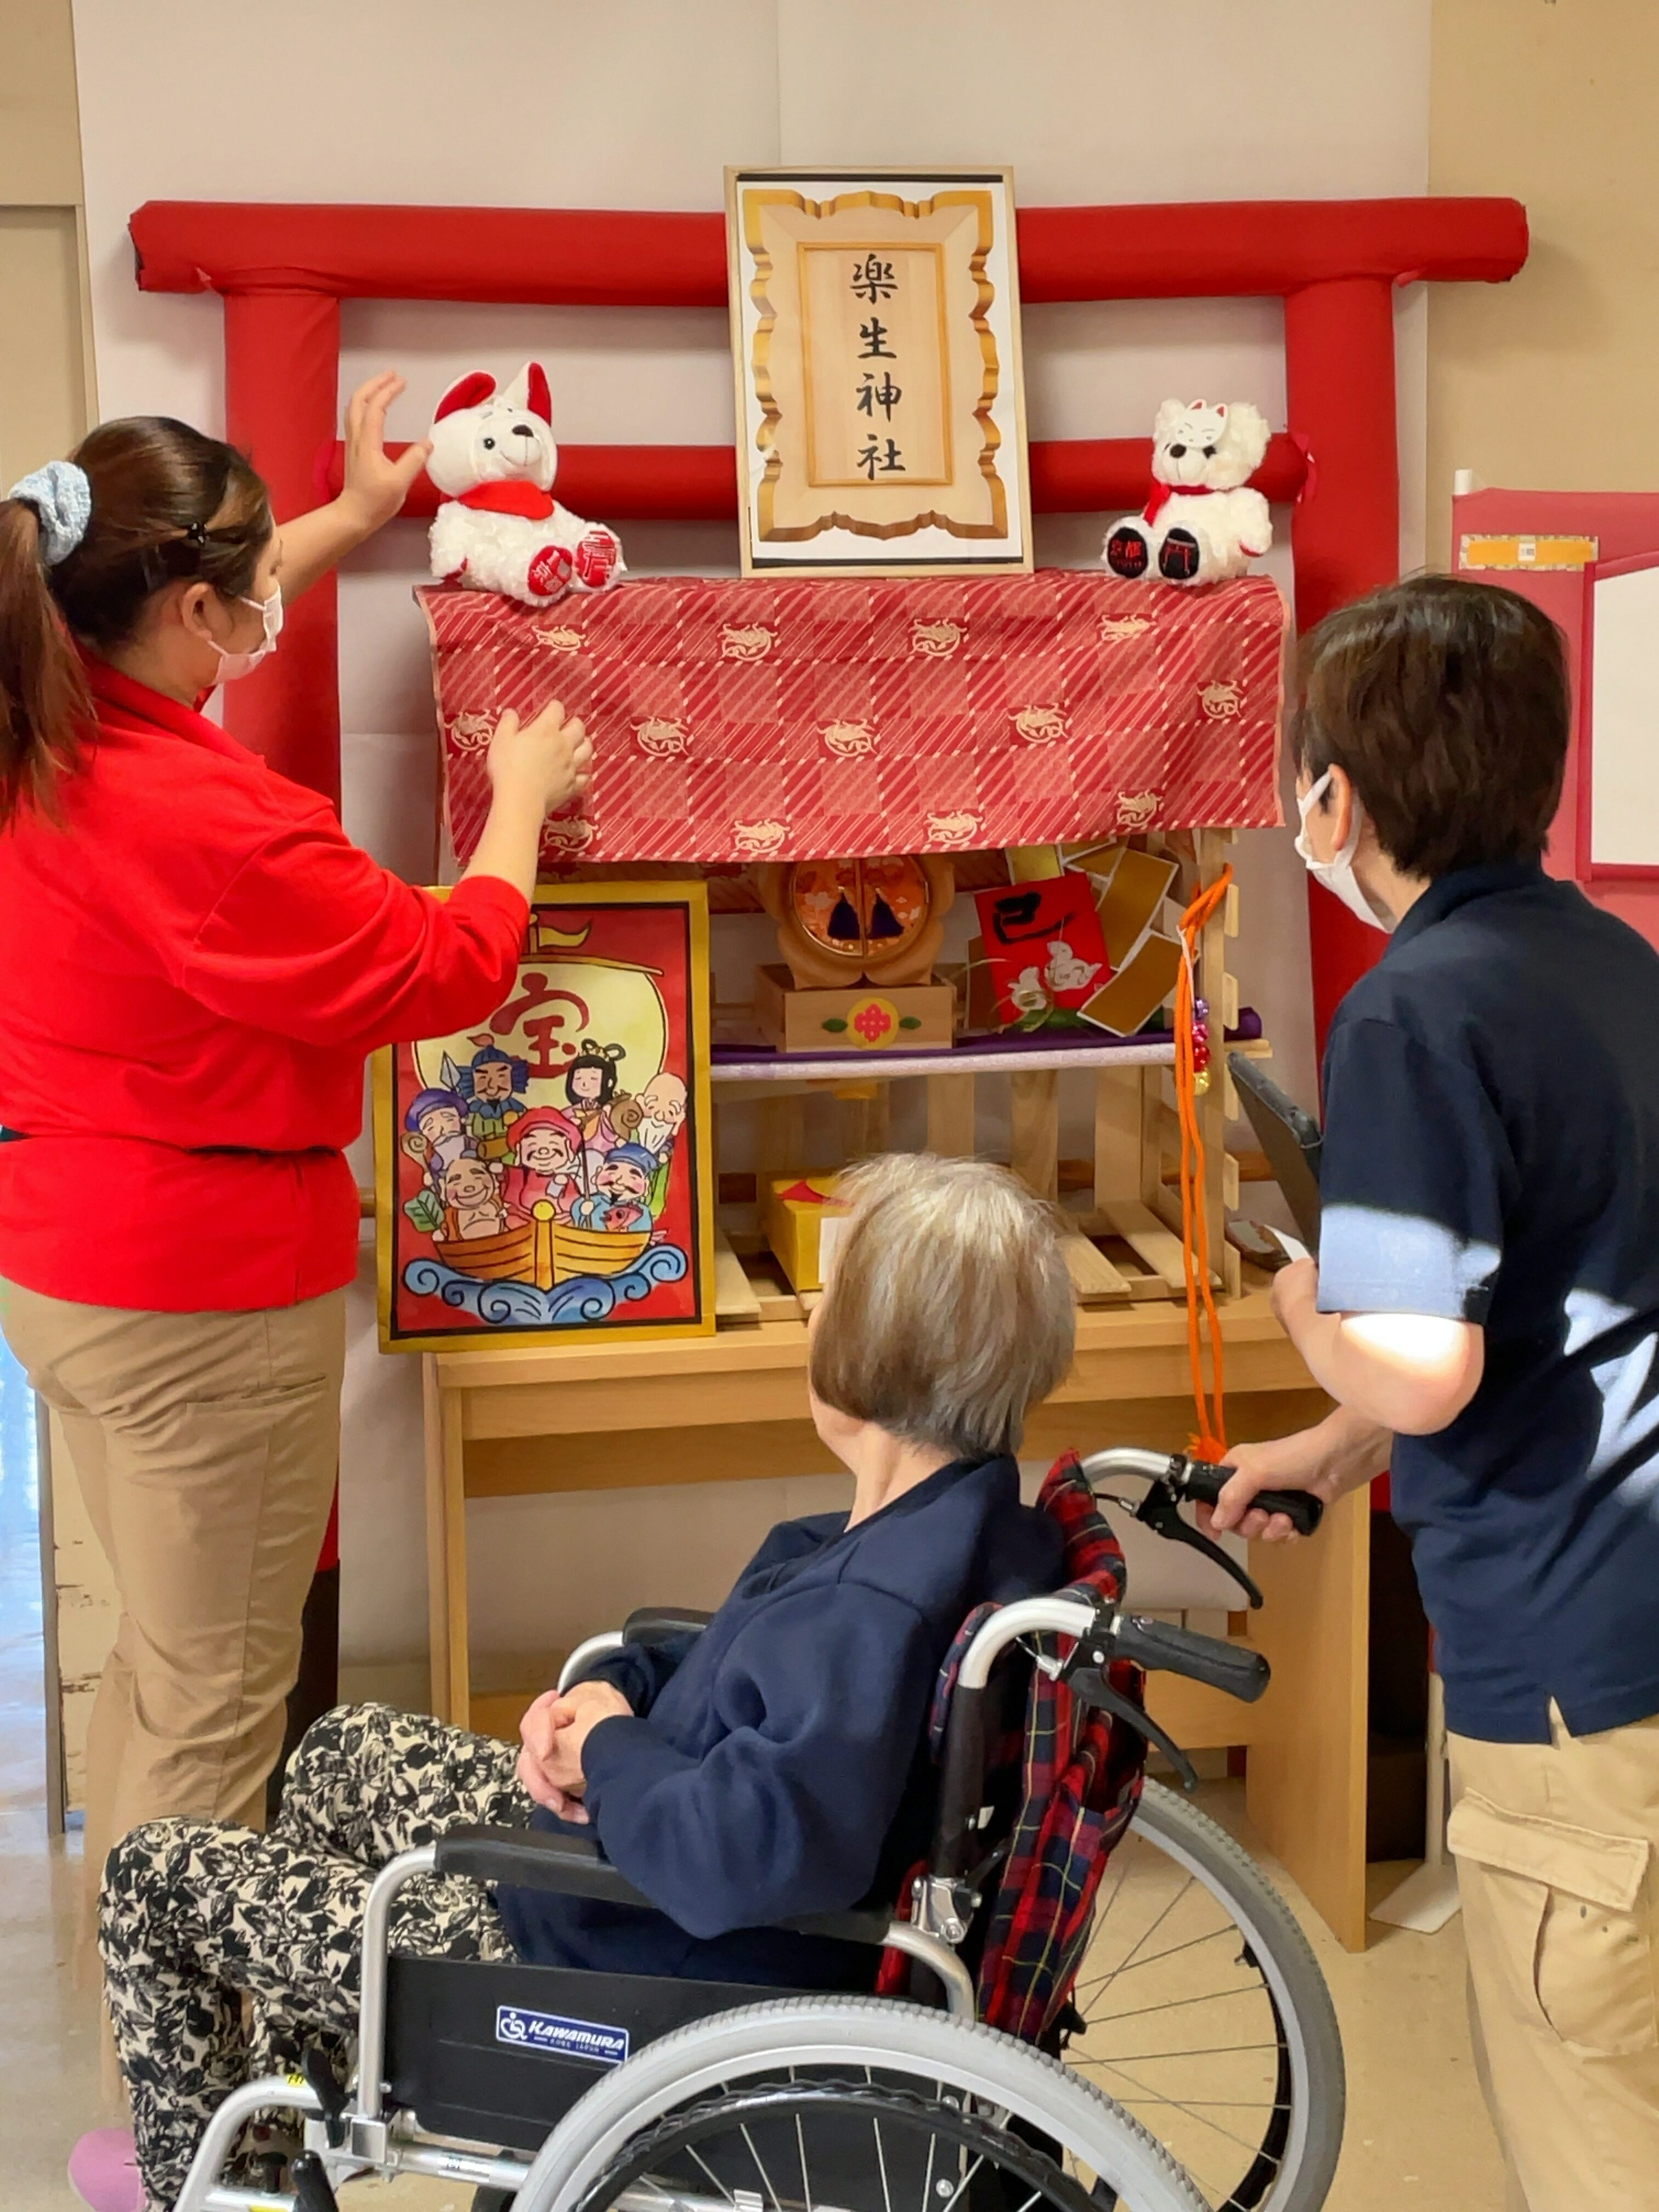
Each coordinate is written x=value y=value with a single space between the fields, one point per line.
x=43 y=691
x=168 y=505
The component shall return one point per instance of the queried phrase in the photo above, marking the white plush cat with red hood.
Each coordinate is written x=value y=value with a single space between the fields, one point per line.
x=1205 y=522
x=500 y=528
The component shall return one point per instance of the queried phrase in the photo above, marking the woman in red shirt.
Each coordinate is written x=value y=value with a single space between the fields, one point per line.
x=194 y=963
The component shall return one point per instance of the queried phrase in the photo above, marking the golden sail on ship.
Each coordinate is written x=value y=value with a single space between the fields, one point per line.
x=544 y=1251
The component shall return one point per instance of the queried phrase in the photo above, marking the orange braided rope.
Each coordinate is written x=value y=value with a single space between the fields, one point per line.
x=1211 y=1441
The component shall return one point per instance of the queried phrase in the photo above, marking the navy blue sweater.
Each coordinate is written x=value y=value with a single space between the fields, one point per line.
x=775 y=1766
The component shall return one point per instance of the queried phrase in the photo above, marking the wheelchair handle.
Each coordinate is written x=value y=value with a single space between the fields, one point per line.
x=1104 y=1633
x=1196 y=1482
x=1161 y=1645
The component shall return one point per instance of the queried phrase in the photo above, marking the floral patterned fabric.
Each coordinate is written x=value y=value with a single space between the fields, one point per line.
x=195 y=1913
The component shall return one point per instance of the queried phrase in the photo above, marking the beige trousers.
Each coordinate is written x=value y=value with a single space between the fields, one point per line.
x=1557 y=1847
x=206 y=1447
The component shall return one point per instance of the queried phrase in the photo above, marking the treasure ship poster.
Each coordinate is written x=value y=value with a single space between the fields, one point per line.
x=546 y=1174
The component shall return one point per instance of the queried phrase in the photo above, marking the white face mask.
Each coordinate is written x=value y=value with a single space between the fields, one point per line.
x=232 y=665
x=1337 y=876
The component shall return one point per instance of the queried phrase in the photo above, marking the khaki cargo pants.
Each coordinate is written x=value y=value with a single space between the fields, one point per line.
x=1557 y=1847
x=206 y=1447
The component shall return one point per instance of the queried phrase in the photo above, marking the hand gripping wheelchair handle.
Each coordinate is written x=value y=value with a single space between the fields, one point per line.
x=571 y=1866
x=1161 y=1644
x=1196 y=1482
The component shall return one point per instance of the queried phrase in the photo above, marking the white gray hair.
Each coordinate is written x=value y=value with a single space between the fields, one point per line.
x=949 y=1311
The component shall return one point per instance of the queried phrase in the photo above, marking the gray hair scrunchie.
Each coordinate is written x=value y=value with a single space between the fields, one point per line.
x=61 y=496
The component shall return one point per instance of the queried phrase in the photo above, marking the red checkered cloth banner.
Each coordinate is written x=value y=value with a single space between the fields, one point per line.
x=755 y=719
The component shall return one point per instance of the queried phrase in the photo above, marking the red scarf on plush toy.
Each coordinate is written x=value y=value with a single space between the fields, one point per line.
x=518 y=497
x=1163 y=494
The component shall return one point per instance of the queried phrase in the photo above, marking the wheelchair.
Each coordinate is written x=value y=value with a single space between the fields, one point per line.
x=1189 y=2059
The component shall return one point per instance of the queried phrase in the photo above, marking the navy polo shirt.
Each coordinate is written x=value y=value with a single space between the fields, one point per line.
x=1491 y=1155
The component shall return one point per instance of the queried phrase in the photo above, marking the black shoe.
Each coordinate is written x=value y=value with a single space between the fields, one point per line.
x=1178 y=557
x=1128 y=553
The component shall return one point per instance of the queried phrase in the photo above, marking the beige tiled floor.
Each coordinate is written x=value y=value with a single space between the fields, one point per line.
x=1417 y=2135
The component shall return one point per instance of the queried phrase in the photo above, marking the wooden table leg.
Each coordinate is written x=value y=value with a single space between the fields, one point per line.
x=445 y=1550
x=1306 y=1791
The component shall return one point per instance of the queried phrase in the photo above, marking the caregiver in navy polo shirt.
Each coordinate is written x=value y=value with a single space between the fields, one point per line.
x=194 y=963
x=1486 y=1308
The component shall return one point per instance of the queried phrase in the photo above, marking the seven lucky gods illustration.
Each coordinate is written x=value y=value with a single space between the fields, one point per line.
x=548 y=1174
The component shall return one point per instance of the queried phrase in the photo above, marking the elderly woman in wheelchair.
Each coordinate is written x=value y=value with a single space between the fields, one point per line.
x=770 y=1768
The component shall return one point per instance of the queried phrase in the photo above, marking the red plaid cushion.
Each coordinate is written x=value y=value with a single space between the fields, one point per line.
x=1078 y=1805
x=1080 y=1784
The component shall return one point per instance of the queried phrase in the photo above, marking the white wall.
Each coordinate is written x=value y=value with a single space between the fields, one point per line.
x=642 y=103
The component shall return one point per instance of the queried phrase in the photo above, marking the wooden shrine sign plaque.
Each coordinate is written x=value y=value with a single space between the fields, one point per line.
x=876 y=337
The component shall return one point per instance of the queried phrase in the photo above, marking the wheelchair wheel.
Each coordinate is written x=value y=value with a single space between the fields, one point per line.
x=1205 y=2015
x=860 y=2103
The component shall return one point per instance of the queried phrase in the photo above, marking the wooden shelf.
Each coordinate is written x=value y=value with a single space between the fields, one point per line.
x=981 y=1056
x=759 y=1073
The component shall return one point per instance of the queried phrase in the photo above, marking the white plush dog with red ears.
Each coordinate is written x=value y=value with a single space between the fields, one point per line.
x=500 y=528
x=1202 y=524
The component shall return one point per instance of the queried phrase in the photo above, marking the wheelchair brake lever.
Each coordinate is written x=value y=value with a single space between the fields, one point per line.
x=1160 y=1511
x=1090 y=1682
x=325 y=2084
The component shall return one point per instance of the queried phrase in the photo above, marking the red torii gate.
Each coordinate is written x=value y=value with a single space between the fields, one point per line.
x=284 y=270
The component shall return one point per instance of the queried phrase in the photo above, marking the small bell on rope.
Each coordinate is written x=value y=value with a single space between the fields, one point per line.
x=1200 y=1043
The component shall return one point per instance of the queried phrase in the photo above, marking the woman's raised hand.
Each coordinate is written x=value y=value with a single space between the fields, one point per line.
x=376 y=486
x=542 y=763
x=534 y=766
x=374 y=489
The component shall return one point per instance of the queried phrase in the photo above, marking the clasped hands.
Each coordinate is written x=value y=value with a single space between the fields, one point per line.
x=554 y=1731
